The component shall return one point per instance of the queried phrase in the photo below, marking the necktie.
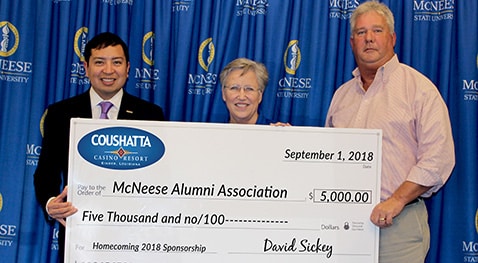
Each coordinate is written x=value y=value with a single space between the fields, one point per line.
x=105 y=107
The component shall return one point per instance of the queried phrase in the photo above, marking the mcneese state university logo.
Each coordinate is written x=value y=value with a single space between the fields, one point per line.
x=470 y=248
x=8 y=233
x=203 y=83
x=78 y=71
x=292 y=86
x=181 y=5
x=433 y=10
x=33 y=154
x=121 y=148
x=470 y=88
x=147 y=76
x=12 y=70
x=33 y=151
x=251 y=7
x=342 y=9
x=54 y=238
x=118 y=2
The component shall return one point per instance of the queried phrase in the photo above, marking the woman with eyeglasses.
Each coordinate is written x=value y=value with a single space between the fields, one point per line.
x=243 y=83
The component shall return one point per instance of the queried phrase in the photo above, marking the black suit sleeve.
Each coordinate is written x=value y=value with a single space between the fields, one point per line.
x=51 y=174
x=52 y=165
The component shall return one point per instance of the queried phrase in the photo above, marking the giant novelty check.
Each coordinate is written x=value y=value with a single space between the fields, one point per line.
x=195 y=192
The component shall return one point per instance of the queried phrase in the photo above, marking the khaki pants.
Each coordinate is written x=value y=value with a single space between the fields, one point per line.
x=408 y=239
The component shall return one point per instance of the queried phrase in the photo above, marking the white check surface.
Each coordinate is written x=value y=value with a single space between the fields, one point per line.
x=229 y=193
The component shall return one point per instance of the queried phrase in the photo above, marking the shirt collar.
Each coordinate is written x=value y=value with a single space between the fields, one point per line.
x=383 y=73
x=95 y=98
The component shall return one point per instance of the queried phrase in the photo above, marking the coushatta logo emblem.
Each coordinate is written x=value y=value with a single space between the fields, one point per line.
x=121 y=148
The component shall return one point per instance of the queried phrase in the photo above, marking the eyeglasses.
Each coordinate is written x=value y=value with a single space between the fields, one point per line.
x=235 y=89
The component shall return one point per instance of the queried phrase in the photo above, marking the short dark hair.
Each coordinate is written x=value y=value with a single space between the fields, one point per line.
x=103 y=40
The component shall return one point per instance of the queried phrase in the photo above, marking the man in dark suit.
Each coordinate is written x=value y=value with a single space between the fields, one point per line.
x=107 y=66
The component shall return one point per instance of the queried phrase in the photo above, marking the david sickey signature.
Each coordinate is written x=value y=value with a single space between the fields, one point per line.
x=295 y=246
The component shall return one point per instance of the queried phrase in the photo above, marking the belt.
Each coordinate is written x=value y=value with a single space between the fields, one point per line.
x=414 y=201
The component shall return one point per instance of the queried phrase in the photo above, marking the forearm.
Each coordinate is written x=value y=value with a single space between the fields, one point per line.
x=408 y=191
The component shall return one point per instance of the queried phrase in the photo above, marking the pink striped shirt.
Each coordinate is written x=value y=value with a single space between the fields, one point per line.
x=417 y=143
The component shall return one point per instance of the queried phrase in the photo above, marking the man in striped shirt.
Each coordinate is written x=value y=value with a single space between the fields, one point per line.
x=417 y=148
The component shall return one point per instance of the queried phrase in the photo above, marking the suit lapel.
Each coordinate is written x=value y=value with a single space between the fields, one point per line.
x=83 y=106
x=126 y=110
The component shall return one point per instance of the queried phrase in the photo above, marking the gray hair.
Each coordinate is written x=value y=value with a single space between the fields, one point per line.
x=245 y=65
x=373 y=6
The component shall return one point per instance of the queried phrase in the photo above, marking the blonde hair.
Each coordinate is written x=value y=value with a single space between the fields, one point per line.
x=245 y=65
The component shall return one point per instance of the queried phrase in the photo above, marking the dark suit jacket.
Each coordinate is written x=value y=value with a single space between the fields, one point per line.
x=52 y=169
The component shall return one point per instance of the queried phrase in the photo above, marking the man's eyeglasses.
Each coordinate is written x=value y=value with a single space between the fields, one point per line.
x=236 y=89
